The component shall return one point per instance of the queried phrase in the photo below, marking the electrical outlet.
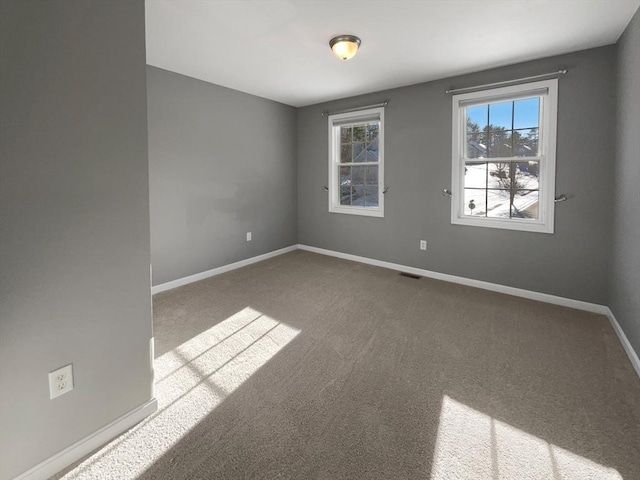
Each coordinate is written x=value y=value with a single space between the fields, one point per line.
x=423 y=244
x=60 y=381
x=248 y=236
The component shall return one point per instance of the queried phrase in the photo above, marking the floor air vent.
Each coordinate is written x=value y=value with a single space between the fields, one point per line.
x=410 y=275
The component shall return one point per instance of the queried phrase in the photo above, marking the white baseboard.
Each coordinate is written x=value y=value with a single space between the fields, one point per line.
x=217 y=271
x=494 y=287
x=633 y=356
x=66 y=457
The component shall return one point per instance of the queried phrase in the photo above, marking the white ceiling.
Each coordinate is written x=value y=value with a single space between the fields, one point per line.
x=278 y=49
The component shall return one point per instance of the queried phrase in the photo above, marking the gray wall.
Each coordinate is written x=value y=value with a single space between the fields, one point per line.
x=222 y=163
x=74 y=216
x=625 y=278
x=571 y=263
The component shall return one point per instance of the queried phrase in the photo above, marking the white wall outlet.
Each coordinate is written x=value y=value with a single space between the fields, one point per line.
x=423 y=244
x=248 y=236
x=60 y=381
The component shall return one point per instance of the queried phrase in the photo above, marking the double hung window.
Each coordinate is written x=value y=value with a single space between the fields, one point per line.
x=356 y=162
x=503 y=168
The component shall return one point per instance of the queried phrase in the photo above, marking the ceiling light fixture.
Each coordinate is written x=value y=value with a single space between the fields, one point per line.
x=344 y=46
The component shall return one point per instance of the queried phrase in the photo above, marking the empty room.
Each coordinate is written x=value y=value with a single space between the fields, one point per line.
x=260 y=239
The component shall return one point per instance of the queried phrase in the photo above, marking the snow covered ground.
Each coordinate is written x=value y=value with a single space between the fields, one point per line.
x=483 y=188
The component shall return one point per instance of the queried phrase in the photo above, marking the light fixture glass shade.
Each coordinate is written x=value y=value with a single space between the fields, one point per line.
x=344 y=46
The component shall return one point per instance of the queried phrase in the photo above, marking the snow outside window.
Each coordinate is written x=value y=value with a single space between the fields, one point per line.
x=504 y=149
x=356 y=162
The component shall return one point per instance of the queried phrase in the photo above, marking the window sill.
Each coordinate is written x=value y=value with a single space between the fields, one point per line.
x=365 y=212
x=506 y=224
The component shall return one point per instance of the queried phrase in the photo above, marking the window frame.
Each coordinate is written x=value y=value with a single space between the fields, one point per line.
x=353 y=118
x=547 y=92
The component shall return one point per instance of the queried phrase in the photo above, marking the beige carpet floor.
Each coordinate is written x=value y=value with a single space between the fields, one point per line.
x=306 y=366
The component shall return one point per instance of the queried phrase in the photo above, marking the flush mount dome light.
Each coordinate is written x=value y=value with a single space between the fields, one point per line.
x=344 y=46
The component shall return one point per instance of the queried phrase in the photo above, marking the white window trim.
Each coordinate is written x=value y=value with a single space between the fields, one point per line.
x=548 y=91
x=334 y=163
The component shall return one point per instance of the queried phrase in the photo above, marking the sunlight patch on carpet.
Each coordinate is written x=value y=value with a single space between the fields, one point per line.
x=191 y=381
x=471 y=444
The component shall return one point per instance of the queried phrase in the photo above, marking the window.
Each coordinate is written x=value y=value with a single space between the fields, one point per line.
x=503 y=169
x=356 y=165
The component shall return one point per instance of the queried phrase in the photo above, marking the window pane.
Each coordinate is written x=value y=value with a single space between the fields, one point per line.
x=357 y=175
x=358 y=133
x=371 y=196
x=345 y=185
x=475 y=175
x=525 y=204
x=525 y=142
x=357 y=186
x=477 y=118
x=345 y=153
x=526 y=113
x=371 y=151
x=474 y=202
x=345 y=195
x=500 y=144
x=359 y=154
x=527 y=175
x=371 y=132
x=357 y=196
x=499 y=175
x=498 y=203
x=500 y=115
x=345 y=176
x=345 y=134
x=476 y=145
x=371 y=177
